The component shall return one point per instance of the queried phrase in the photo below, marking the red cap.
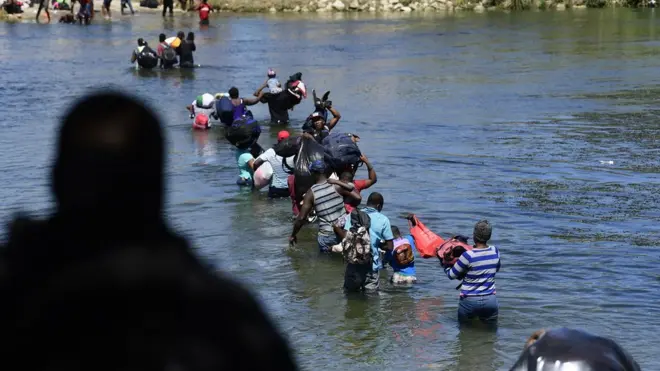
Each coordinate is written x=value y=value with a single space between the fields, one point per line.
x=201 y=121
x=282 y=135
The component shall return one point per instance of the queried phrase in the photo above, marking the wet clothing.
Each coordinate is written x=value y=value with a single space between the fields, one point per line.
x=204 y=10
x=208 y=106
x=279 y=179
x=329 y=206
x=401 y=270
x=161 y=51
x=477 y=268
x=485 y=308
x=278 y=107
x=243 y=157
x=145 y=57
x=360 y=277
x=185 y=52
x=239 y=110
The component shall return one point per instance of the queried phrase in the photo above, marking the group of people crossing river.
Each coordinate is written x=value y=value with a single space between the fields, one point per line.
x=317 y=171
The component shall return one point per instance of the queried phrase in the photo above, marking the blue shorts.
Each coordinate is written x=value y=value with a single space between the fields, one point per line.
x=106 y=3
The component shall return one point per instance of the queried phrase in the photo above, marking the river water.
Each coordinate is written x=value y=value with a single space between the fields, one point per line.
x=545 y=123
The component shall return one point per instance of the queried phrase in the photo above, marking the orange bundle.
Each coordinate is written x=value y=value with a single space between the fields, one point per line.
x=426 y=241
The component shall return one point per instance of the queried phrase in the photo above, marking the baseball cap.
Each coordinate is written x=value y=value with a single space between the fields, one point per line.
x=316 y=114
x=282 y=135
x=317 y=166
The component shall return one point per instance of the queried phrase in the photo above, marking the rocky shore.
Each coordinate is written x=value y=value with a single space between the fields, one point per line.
x=404 y=6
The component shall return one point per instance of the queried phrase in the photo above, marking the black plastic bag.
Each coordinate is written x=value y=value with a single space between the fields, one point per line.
x=310 y=151
x=243 y=132
x=340 y=151
x=288 y=147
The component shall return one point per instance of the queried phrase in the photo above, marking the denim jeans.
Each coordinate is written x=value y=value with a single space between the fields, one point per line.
x=326 y=241
x=485 y=308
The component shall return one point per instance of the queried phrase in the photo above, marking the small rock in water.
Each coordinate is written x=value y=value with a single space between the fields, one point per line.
x=610 y=162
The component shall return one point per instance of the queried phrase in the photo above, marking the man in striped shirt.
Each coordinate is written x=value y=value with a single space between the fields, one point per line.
x=477 y=269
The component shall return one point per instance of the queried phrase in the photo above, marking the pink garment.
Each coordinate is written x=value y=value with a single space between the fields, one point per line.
x=292 y=193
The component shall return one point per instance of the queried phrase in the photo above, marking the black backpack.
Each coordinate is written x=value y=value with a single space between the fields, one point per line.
x=147 y=58
x=169 y=54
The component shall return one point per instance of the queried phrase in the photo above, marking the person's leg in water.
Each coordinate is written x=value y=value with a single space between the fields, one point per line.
x=483 y=307
x=127 y=3
x=43 y=4
x=106 y=8
x=372 y=281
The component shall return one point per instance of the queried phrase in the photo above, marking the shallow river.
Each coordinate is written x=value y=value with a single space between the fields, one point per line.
x=545 y=123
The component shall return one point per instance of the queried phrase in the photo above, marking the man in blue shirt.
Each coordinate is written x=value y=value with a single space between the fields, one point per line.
x=403 y=273
x=366 y=276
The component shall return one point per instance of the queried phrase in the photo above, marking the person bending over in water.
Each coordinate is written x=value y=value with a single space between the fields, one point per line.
x=477 y=269
x=279 y=187
x=319 y=129
x=186 y=50
x=240 y=104
x=326 y=197
x=204 y=9
x=401 y=258
x=245 y=161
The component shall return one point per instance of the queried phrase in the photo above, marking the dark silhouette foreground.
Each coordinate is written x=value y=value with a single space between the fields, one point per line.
x=564 y=349
x=104 y=284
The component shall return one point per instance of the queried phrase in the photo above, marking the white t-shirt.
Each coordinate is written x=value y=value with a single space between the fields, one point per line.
x=207 y=99
x=279 y=179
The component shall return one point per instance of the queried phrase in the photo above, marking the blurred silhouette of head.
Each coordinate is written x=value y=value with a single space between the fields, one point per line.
x=109 y=162
x=566 y=349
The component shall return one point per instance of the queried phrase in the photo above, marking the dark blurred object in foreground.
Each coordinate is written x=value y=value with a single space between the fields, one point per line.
x=566 y=349
x=104 y=284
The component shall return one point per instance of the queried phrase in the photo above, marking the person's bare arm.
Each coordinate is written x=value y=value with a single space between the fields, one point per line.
x=388 y=246
x=351 y=196
x=258 y=162
x=252 y=101
x=133 y=57
x=339 y=183
x=373 y=178
x=335 y=118
x=306 y=208
x=339 y=231
x=189 y=108
x=261 y=88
